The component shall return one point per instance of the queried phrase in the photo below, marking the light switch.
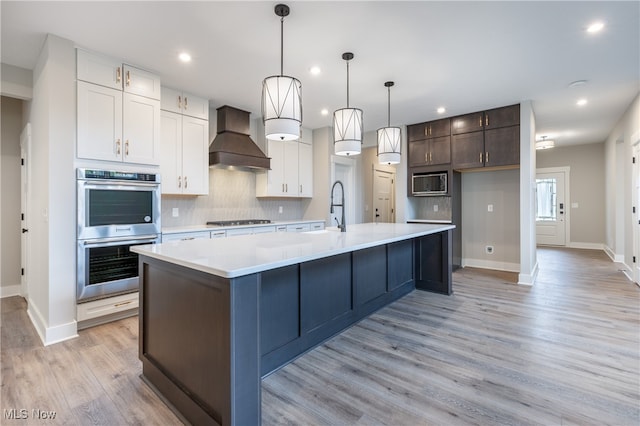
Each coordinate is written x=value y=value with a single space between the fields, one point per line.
x=280 y=209
x=490 y=207
x=175 y=212
x=574 y=205
x=435 y=207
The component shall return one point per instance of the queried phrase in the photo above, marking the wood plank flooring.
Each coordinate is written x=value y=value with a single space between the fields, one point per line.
x=565 y=351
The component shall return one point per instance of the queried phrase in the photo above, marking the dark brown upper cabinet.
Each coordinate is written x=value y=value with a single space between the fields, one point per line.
x=473 y=122
x=430 y=143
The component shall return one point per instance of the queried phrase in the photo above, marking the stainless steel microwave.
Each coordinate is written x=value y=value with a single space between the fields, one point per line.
x=426 y=184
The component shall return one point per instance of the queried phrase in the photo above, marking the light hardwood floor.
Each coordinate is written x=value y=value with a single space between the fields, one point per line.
x=565 y=351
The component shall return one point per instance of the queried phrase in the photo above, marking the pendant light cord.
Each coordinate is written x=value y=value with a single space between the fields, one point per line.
x=282 y=45
x=389 y=106
x=347 y=83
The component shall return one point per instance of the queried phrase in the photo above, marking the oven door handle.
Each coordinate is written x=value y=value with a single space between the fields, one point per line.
x=142 y=238
x=99 y=184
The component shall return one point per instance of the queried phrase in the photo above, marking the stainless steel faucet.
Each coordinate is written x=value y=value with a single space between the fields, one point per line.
x=342 y=226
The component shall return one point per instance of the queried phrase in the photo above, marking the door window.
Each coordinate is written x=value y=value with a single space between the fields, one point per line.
x=546 y=199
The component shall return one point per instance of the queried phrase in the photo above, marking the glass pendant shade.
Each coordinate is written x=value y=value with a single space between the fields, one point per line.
x=347 y=131
x=282 y=107
x=389 y=142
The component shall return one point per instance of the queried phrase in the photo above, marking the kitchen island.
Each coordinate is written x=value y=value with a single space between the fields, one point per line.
x=217 y=315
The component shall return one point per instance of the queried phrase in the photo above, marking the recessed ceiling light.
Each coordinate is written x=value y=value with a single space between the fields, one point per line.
x=324 y=111
x=184 y=57
x=577 y=83
x=581 y=102
x=441 y=110
x=315 y=70
x=595 y=27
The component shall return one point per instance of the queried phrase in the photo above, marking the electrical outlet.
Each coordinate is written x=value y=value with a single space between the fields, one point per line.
x=175 y=212
x=435 y=207
x=490 y=208
x=280 y=210
x=488 y=249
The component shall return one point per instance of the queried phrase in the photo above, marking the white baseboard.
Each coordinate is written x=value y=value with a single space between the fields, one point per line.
x=489 y=264
x=588 y=246
x=50 y=335
x=615 y=257
x=529 y=279
x=10 y=290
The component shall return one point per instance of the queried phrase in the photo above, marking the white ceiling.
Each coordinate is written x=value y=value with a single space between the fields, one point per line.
x=466 y=56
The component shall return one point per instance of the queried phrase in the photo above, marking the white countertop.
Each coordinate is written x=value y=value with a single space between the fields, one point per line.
x=248 y=254
x=197 y=228
x=429 y=221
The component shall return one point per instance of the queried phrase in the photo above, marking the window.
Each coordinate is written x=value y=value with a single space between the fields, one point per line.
x=546 y=199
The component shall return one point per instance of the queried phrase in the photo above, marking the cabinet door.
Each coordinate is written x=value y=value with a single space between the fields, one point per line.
x=438 y=128
x=275 y=176
x=99 y=122
x=171 y=152
x=141 y=82
x=305 y=170
x=141 y=129
x=171 y=100
x=290 y=168
x=417 y=132
x=418 y=153
x=502 y=146
x=195 y=106
x=467 y=123
x=440 y=150
x=99 y=69
x=467 y=150
x=195 y=158
x=502 y=117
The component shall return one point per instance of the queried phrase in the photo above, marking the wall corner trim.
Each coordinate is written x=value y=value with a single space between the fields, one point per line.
x=529 y=279
x=51 y=335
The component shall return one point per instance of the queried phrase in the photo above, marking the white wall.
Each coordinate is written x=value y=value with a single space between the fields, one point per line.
x=618 y=153
x=318 y=207
x=10 y=254
x=52 y=278
x=528 y=257
x=16 y=82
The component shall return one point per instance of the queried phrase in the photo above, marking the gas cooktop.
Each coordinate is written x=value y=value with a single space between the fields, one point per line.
x=239 y=222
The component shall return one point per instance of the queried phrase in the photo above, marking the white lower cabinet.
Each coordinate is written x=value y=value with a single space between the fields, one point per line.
x=302 y=227
x=184 y=156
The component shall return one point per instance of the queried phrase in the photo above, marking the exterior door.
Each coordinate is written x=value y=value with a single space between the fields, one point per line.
x=383 y=196
x=551 y=208
x=25 y=150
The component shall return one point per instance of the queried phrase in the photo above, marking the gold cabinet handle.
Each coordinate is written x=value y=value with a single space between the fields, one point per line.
x=301 y=189
x=431 y=157
x=486 y=120
x=481 y=157
x=426 y=130
x=186 y=103
x=179 y=102
x=283 y=187
x=126 y=147
x=426 y=157
x=118 y=75
x=486 y=156
x=117 y=305
x=128 y=78
x=286 y=187
x=186 y=182
x=179 y=181
x=118 y=147
x=480 y=121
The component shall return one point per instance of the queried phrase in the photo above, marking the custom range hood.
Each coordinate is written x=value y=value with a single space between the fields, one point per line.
x=232 y=146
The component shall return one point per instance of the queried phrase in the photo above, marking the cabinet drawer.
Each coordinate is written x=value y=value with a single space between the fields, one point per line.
x=317 y=226
x=218 y=234
x=111 y=305
x=264 y=230
x=300 y=227
x=185 y=236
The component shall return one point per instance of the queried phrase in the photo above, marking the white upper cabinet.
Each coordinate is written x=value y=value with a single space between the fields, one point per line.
x=184 y=162
x=291 y=173
x=109 y=72
x=184 y=103
x=118 y=111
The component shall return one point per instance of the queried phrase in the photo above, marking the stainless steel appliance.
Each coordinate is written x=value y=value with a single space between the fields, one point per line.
x=425 y=184
x=116 y=210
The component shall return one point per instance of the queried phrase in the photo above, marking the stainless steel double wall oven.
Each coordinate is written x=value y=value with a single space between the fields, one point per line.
x=116 y=210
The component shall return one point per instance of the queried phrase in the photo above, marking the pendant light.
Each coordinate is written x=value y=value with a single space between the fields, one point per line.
x=347 y=124
x=389 y=139
x=282 y=97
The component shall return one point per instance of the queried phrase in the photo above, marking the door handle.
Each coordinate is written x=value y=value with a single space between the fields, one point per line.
x=24 y=231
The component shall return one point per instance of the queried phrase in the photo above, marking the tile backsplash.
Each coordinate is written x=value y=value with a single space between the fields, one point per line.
x=232 y=195
x=425 y=208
